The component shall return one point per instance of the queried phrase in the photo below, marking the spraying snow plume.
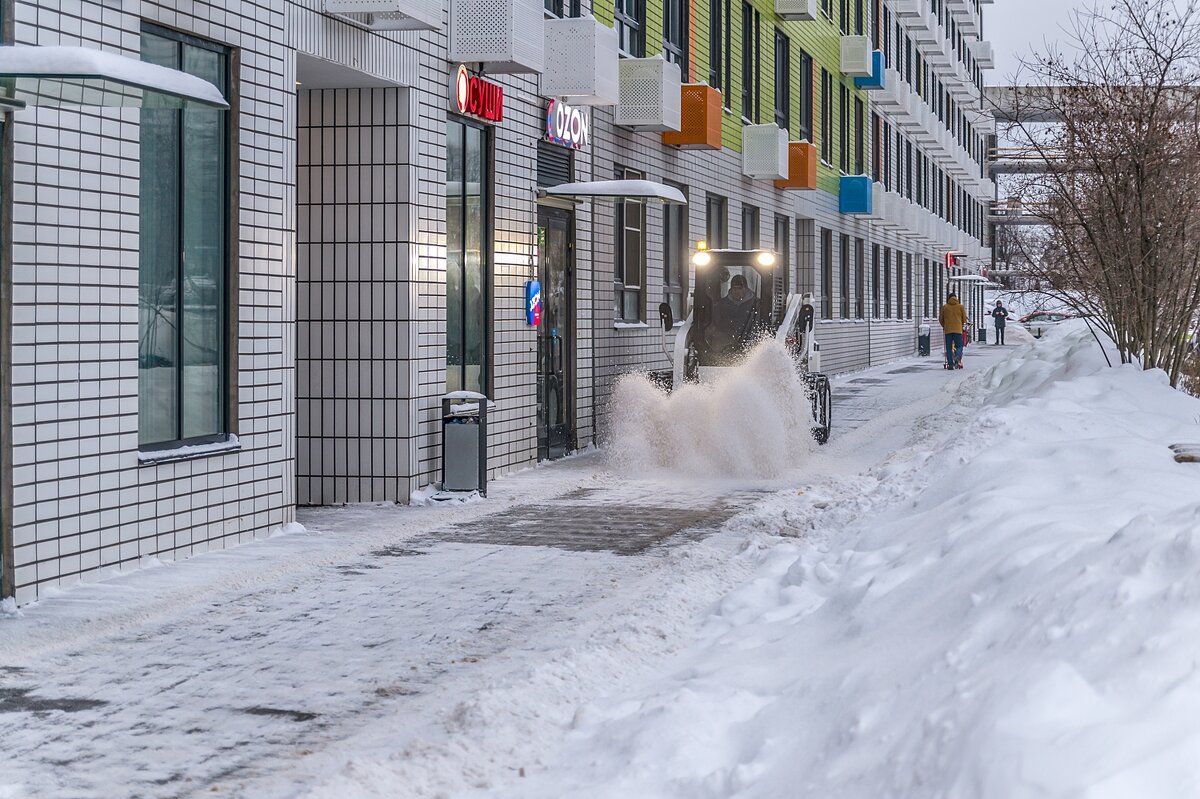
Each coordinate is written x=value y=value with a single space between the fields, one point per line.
x=755 y=420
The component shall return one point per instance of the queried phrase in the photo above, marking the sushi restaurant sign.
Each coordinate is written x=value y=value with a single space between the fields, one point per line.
x=568 y=125
x=474 y=96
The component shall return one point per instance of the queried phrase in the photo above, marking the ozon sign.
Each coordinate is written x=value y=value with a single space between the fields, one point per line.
x=474 y=96
x=568 y=126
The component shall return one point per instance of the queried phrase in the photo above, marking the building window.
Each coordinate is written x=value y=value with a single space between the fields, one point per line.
x=887 y=283
x=826 y=117
x=926 y=293
x=783 y=80
x=716 y=50
x=750 y=221
x=860 y=138
x=716 y=223
x=675 y=33
x=826 y=273
x=844 y=129
x=899 y=304
x=908 y=281
x=859 y=18
x=806 y=97
x=876 y=275
x=749 y=62
x=844 y=276
x=860 y=279
x=630 y=18
x=560 y=8
x=726 y=59
x=467 y=256
x=844 y=16
x=675 y=256
x=827 y=8
x=782 y=277
x=629 y=273
x=184 y=329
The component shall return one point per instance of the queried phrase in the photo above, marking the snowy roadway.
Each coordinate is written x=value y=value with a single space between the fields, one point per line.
x=583 y=633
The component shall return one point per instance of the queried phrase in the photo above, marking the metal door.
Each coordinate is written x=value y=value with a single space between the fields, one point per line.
x=555 y=335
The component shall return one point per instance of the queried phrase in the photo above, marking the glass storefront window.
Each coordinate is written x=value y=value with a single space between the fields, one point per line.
x=184 y=238
x=467 y=266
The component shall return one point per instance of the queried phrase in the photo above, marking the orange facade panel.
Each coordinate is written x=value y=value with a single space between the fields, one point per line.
x=802 y=167
x=700 y=119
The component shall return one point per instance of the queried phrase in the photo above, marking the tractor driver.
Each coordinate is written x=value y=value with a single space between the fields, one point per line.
x=732 y=317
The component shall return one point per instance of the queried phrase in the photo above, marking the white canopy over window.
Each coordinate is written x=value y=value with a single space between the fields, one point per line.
x=53 y=76
x=619 y=190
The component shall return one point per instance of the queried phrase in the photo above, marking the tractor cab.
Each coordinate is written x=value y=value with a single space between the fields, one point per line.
x=735 y=305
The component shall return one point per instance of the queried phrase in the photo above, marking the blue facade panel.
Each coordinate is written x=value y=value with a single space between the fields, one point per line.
x=876 y=80
x=856 y=195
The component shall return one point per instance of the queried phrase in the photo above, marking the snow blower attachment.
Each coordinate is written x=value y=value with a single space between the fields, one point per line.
x=735 y=305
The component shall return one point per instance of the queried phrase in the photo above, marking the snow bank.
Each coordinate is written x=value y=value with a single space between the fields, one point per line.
x=755 y=420
x=1025 y=625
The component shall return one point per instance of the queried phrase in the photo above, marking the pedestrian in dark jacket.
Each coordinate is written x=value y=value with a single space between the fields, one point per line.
x=1000 y=315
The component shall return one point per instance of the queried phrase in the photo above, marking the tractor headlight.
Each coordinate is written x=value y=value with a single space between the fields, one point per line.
x=766 y=259
x=702 y=258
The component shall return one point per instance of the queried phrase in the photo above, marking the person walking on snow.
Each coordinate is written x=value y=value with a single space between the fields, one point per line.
x=953 y=319
x=1000 y=315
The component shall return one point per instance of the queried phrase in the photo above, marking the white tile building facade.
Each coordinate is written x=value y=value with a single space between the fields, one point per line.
x=338 y=209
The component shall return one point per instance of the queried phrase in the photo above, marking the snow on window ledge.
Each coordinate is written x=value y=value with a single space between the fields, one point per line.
x=630 y=325
x=151 y=457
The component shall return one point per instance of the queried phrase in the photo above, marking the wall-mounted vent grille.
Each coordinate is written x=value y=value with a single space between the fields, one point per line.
x=504 y=36
x=649 y=91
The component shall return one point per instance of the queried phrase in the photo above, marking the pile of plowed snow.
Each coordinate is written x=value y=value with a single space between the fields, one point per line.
x=754 y=420
x=1027 y=626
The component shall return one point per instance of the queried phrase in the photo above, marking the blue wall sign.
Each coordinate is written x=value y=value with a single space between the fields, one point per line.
x=533 y=303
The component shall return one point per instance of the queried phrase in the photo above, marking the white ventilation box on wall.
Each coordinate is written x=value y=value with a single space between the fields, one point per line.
x=895 y=209
x=504 y=36
x=983 y=54
x=764 y=152
x=894 y=96
x=797 y=10
x=878 y=203
x=857 y=56
x=580 y=61
x=914 y=118
x=649 y=94
x=388 y=15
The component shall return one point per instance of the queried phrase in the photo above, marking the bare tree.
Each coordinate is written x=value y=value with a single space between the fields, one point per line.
x=1116 y=121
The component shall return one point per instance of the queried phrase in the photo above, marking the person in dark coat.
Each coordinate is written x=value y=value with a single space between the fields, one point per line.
x=1000 y=316
x=733 y=316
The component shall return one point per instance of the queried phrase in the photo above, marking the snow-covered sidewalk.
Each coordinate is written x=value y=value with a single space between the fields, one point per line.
x=898 y=615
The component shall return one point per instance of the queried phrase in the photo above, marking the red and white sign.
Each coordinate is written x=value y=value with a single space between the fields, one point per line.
x=474 y=96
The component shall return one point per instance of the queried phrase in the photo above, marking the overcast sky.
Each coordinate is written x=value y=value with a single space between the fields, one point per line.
x=1016 y=26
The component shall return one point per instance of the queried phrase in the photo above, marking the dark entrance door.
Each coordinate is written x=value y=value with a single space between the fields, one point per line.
x=555 y=334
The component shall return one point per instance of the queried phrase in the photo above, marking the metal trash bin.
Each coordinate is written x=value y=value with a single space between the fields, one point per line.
x=923 y=340
x=982 y=337
x=464 y=442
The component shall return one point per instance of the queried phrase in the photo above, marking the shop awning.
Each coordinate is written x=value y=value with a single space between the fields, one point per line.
x=619 y=190
x=968 y=279
x=53 y=76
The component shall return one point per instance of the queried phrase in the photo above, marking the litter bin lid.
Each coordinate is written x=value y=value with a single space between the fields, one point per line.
x=469 y=402
x=925 y=330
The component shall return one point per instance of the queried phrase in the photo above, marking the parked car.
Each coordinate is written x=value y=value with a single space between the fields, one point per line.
x=1039 y=322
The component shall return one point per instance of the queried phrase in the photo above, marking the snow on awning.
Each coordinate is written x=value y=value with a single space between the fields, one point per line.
x=968 y=279
x=53 y=76
x=619 y=190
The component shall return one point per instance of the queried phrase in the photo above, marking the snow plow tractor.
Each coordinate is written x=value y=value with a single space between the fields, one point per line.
x=737 y=302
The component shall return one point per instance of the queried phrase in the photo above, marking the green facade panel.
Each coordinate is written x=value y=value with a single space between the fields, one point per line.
x=820 y=39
